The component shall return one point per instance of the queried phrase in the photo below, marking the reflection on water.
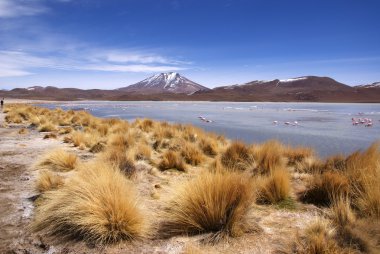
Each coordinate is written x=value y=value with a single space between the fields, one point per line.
x=326 y=127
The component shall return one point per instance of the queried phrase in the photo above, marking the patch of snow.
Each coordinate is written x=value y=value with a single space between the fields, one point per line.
x=292 y=79
x=30 y=88
x=373 y=85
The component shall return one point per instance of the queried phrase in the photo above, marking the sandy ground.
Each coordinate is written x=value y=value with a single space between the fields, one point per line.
x=18 y=154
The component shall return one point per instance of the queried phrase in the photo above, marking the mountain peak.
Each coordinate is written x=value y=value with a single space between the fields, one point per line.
x=169 y=82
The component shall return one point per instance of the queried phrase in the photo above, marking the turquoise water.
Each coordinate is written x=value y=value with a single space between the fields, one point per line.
x=327 y=127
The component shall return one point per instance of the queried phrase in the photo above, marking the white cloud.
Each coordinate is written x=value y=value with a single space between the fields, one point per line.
x=15 y=64
x=17 y=8
x=20 y=63
x=119 y=57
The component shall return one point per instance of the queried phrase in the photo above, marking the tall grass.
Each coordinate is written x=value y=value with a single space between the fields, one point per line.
x=217 y=203
x=98 y=204
x=318 y=238
x=172 y=160
x=268 y=156
x=275 y=187
x=47 y=181
x=324 y=188
x=59 y=160
x=363 y=171
x=192 y=154
x=237 y=157
x=119 y=158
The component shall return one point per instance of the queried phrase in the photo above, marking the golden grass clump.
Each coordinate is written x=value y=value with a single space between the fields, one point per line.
x=143 y=152
x=97 y=205
x=217 y=203
x=208 y=146
x=59 y=160
x=298 y=156
x=121 y=141
x=119 y=127
x=325 y=188
x=349 y=234
x=190 y=133
x=268 y=156
x=275 y=187
x=48 y=181
x=146 y=125
x=363 y=171
x=172 y=160
x=342 y=214
x=191 y=154
x=318 y=238
x=47 y=127
x=119 y=158
x=237 y=157
x=335 y=163
x=77 y=138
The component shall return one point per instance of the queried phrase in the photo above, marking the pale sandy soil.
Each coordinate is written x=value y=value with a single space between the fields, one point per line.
x=18 y=155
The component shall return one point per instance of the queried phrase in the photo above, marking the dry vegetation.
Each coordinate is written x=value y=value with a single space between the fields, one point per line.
x=222 y=184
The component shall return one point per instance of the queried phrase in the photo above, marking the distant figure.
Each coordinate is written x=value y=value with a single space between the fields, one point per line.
x=2 y=103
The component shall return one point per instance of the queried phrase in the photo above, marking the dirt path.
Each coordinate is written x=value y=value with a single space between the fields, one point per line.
x=18 y=153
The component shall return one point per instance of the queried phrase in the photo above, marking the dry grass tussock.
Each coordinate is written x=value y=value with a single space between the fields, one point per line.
x=363 y=171
x=98 y=205
x=268 y=156
x=209 y=146
x=318 y=238
x=349 y=235
x=47 y=181
x=59 y=160
x=237 y=157
x=47 y=127
x=217 y=203
x=325 y=188
x=275 y=187
x=119 y=158
x=121 y=140
x=143 y=152
x=192 y=154
x=172 y=160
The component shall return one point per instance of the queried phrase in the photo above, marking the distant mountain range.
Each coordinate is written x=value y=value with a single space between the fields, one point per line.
x=173 y=86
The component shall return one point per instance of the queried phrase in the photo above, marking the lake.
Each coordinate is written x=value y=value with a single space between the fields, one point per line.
x=327 y=127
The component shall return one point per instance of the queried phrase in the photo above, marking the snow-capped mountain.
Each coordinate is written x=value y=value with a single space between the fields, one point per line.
x=373 y=85
x=299 y=84
x=171 y=82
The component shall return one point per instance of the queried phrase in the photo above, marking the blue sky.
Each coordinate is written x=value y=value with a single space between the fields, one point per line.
x=114 y=43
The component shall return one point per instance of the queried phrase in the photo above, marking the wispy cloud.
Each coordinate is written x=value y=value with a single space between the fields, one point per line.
x=17 y=63
x=17 y=8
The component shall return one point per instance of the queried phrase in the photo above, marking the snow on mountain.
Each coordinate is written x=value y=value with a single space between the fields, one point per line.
x=373 y=85
x=292 y=79
x=171 y=82
x=34 y=88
